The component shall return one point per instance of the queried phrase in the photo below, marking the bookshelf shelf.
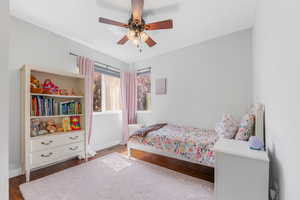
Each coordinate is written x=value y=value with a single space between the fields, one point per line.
x=55 y=116
x=41 y=113
x=57 y=96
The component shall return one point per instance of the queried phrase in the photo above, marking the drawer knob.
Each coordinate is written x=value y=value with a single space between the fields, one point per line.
x=47 y=143
x=73 y=148
x=46 y=155
x=74 y=138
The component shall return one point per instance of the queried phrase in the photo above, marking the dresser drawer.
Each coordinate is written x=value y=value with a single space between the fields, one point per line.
x=71 y=148
x=73 y=138
x=55 y=154
x=49 y=142
x=46 y=156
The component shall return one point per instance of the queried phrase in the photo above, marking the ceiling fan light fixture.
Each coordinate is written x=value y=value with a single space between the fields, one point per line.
x=144 y=36
x=131 y=35
x=136 y=42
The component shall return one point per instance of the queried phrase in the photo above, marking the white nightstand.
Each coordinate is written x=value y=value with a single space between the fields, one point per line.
x=240 y=173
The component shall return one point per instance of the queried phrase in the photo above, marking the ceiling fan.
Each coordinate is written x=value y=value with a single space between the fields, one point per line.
x=137 y=26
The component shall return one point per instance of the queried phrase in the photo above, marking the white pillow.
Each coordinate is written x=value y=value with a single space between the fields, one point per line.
x=227 y=127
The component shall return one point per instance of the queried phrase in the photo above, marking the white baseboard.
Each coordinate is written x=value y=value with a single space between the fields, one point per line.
x=18 y=171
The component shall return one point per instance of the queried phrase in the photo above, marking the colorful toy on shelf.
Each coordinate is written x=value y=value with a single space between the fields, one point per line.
x=63 y=92
x=66 y=124
x=75 y=123
x=49 y=87
x=35 y=86
x=51 y=127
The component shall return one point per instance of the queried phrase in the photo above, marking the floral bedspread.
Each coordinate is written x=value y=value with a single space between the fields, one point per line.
x=191 y=143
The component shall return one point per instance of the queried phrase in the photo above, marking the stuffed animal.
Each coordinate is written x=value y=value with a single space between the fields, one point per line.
x=49 y=87
x=35 y=86
x=42 y=128
x=71 y=92
x=51 y=127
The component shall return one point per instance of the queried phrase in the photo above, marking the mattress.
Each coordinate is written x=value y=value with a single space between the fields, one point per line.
x=190 y=143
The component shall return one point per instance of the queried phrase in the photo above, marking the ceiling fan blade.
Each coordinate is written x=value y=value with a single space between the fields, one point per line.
x=123 y=40
x=137 y=7
x=166 y=24
x=112 y=22
x=150 y=42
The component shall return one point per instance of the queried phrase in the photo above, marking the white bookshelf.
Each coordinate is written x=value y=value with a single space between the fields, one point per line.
x=47 y=149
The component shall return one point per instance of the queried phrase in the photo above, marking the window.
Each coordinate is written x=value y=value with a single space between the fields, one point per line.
x=144 y=89
x=97 y=92
x=106 y=90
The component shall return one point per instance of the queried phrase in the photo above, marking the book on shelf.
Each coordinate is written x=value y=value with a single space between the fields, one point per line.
x=43 y=106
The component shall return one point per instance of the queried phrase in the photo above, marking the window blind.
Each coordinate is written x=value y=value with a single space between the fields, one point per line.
x=107 y=70
x=141 y=71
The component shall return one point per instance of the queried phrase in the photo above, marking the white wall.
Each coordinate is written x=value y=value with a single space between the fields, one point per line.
x=36 y=46
x=4 y=50
x=276 y=84
x=203 y=81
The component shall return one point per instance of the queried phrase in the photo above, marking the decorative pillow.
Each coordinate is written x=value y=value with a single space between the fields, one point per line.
x=227 y=127
x=246 y=127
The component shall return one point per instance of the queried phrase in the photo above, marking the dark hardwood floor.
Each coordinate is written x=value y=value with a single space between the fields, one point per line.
x=191 y=169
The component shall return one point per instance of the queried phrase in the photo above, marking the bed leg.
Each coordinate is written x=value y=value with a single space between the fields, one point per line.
x=129 y=152
x=27 y=175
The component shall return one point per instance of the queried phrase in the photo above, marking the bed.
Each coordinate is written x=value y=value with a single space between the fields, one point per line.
x=190 y=144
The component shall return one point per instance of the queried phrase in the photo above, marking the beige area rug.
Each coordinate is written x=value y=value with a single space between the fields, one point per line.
x=115 y=177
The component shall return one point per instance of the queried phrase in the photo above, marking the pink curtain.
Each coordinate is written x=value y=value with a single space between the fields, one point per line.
x=86 y=68
x=129 y=101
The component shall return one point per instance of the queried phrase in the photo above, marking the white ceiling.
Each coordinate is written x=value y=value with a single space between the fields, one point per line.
x=194 y=21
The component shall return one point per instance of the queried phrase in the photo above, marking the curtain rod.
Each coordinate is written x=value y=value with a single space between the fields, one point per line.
x=109 y=66
x=97 y=62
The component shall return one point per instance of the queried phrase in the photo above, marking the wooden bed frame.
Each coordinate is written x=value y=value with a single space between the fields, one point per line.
x=259 y=131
